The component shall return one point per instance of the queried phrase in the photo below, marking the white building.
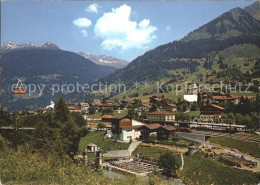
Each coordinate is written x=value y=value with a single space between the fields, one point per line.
x=161 y=116
x=124 y=128
x=84 y=107
x=190 y=97
x=51 y=106
x=131 y=132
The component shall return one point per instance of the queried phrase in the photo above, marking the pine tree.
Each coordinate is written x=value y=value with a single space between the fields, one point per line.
x=61 y=110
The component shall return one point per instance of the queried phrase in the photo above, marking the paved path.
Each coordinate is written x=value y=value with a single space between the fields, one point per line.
x=182 y=162
x=123 y=153
x=133 y=146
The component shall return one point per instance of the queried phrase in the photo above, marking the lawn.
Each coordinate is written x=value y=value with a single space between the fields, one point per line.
x=97 y=115
x=122 y=112
x=98 y=139
x=200 y=170
x=181 y=142
x=193 y=113
x=252 y=148
x=153 y=153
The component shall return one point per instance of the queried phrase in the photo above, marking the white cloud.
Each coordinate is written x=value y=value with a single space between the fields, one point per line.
x=92 y=8
x=168 y=28
x=118 y=31
x=82 y=22
x=84 y=33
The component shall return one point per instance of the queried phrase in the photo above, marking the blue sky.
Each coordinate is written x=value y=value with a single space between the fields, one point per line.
x=123 y=29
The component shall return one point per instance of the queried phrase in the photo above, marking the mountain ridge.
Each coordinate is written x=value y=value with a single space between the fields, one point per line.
x=155 y=64
x=45 y=66
x=29 y=45
x=226 y=25
x=105 y=60
x=254 y=10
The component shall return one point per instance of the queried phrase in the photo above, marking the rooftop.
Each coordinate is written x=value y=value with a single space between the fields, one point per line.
x=91 y=144
x=131 y=127
x=153 y=126
x=219 y=107
x=160 y=113
x=169 y=127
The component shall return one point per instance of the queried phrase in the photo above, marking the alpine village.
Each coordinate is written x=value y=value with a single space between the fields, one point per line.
x=204 y=131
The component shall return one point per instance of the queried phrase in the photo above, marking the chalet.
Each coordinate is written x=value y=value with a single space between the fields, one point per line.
x=184 y=105
x=206 y=101
x=95 y=102
x=168 y=101
x=84 y=107
x=31 y=112
x=205 y=95
x=124 y=128
x=165 y=132
x=107 y=117
x=105 y=106
x=250 y=98
x=220 y=99
x=143 y=108
x=93 y=125
x=149 y=129
x=127 y=102
x=73 y=108
x=232 y=82
x=212 y=109
x=129 y=133
x=169 y=107
x=217 y=89
x=161 y=117
x=156 y=99
x=160 y=99
x=108 y=101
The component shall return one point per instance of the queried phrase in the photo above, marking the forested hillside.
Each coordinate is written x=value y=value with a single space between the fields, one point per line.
x=233 y=28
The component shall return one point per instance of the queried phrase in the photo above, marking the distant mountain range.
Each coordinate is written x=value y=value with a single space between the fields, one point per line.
x=98 y=59
x=105 y=60
x=233 y=28
x=29 y=45
x=44 y=65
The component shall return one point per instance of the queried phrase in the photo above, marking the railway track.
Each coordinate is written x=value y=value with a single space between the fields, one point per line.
x=236 y=136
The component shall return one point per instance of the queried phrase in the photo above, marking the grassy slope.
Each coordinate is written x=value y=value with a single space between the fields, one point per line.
x=251 y=148
x=98 y=114
x=98 y=139
x=240 y=51
x=23 y=168
x=234 y=55
x=200 y=170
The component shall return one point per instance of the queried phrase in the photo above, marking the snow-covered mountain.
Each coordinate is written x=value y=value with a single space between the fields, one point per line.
x=105 y=60
x=98 y=59
x=11 y=46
